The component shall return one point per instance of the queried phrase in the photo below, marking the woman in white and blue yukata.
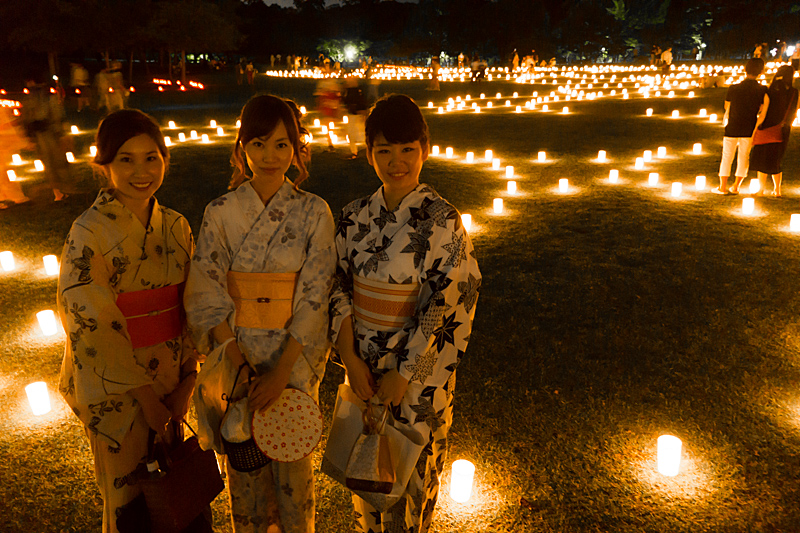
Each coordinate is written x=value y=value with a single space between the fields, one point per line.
x=262 y=274
x=403 y=303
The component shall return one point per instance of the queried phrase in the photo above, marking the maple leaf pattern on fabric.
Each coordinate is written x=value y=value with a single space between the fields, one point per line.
x=385 y=217
x=446 y=332
x=378 y=254
x=427 y=414
x=422 y=368
x=441 y=211
x=344 y=222
x=363 y=231
x=469 y=292
x=457 y=249
x=419 y=246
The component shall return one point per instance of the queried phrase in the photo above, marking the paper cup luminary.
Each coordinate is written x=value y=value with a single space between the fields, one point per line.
x=38 y=398
x=290 y=429
x=601 y=156
x=794 y=222
x=748 y=206
x=613 y=176
x=497 y=205
x=697 y=148
x=47 y=321
x=461 y=478
x=563 y=185
x=669 y=455
x=509 y=171
x=7 y=261
x=676 y=189
x=652 y=179
x=700 y=183
x=50 y=265
x=542 y=156
x=755 y=186
x=466 y=221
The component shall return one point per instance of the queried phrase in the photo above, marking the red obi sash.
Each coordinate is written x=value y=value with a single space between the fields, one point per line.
x=154 y=315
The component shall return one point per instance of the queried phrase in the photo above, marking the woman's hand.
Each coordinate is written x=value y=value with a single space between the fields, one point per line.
x=392 y=388
x=359 y=376
x=155 y=412
x=178 y=400
x=266 y=388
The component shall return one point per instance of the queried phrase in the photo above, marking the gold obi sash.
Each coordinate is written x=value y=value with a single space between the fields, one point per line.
x=384 y=306
x=263 y=300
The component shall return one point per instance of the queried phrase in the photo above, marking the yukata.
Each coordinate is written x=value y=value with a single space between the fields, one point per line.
x=421 y=241
x=293 y=233
x=108 y=253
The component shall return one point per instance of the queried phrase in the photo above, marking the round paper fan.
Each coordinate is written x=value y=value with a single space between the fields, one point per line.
x=290 y=429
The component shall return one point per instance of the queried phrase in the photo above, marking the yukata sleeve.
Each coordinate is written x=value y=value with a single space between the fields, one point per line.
x=185 y=240
x=206 y=298
x=309 y=324
x=99 y=363
x=341 y=301
x=449 y=290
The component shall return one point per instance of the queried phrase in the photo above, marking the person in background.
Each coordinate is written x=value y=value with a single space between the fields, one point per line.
x=125 y=373
x=42 y=117
x=744 y=103
x=11 y=142
x=265 y=232
x=767 y=152
x=79 y=83
x=356 y=104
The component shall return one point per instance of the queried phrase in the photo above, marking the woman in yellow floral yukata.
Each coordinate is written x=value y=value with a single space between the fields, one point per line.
x=126 y=369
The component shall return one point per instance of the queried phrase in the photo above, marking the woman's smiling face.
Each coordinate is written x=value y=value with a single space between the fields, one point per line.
x=137 y=170
x=269 y=157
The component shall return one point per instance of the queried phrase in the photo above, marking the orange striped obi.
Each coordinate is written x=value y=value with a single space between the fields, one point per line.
x=384 y=306
x=263 y=300
x=153 y=316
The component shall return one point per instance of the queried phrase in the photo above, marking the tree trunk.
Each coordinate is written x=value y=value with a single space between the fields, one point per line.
x=183 y=67
x=51 y=62
x=107 y=58
x=130 y=68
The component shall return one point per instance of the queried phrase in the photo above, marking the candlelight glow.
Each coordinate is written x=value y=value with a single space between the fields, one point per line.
x=700 y=183
x=488 y=155
x=38 y=398
x=601 y=156
x=182 y=137
x=712 y=117
x=613 y=176
x=496 y=163
x=193 y=134
x=748 y=206
x=448 y=152
x=167 y=141
x=649 y=112
x=647 y=156
x=669 y=455
x=794 y=222
x=509 y=171
x=703 y=112
x=470 y=157
x=466 y=221
x=213 y=124
x=512 y=187
x=172 y=125
x=542 y=156
x=50 y=265
x=316 y=123
x=676 y=114
x=93 y=150
x=697 y=148
x=38 y=165
x=639 y=165
x=652 y=179
x=70 y=157
x=564 y=110
x=676 y=189
x=16 y=159
x=461 y=479
x=755 y=186
x=497 y=205
x=12 y=176
x=662 y=151
x=47 y=321
x=220 y=131
x=435 y=149
x=7 y=261
x=563 y=185
x=205 y=138
x=74 y=130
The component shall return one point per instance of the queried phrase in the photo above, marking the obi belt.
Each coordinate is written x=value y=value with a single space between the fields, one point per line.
x=153 y=316
x=384 y=306
x=263 y=300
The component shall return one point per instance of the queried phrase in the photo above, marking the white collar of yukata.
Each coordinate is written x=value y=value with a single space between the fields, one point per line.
x=421 y=188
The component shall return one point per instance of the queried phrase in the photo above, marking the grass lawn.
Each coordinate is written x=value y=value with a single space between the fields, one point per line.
x=609 y=315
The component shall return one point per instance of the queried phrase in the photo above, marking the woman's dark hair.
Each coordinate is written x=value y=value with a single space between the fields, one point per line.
x=399 y=119
x=120 y=126
x=784 y=78
x=259 y=118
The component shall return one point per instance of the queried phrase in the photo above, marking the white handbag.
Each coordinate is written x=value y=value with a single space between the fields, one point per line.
x=214 y=383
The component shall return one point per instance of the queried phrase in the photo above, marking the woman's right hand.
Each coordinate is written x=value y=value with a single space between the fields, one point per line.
x=157 y=416
x=360 y=377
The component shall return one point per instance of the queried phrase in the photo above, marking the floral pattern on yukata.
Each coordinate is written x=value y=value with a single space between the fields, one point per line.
x=292 y=233
x=421 y=240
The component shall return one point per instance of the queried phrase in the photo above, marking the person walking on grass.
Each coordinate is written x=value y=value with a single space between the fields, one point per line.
x=744 y=103
x=772 y=135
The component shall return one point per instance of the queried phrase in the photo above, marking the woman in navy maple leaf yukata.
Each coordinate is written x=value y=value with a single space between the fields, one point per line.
x=407 y=241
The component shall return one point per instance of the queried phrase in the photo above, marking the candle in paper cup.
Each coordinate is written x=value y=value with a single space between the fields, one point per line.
x=497 y=205
x=652 y=179
x=38 y=398
x=50 y=265
x=47 y=321
x=669 y=455
x=700 y=183
x=613 y=176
